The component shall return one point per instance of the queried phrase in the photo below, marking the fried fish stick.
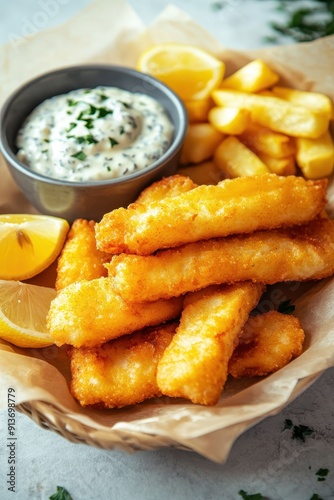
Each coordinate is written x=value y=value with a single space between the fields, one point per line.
x=166 y=188
x=271 y=341
x=121 y=372
x=232 y=206
x=89 y=313
x=80 y=259
x=298 y=253
x=195 y=364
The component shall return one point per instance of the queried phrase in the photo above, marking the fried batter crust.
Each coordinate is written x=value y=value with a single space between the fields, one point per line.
x=167 y=187
x=291 y=254
x=89 y=313
x=195 y=364
x=233 y=206
x=80 y=259
x=121 y=372
x=270 y=341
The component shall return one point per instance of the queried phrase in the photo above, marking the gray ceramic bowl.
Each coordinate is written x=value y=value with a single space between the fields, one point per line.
x=89 y=200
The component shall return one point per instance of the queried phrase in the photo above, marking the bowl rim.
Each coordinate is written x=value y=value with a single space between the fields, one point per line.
x=175 y=145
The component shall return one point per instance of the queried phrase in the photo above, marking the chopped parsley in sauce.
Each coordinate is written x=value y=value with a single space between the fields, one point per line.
x=94 y=134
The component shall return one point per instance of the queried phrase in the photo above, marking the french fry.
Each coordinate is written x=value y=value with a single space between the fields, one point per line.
x=198 y=109
x=315 y=101
x=252 y=77
x=229 y=120
x=266 y=141
x=195 y=364
x=234 y=159
x=275 y=113
x=315 y=157
x=200 y=143
x=279 y=166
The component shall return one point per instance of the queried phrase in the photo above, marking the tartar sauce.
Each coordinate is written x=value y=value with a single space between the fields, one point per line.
x=94 y=134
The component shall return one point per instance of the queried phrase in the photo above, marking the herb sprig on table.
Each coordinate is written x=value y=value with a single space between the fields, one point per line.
x=301 y=22
x=305 y=23
x=61 y=494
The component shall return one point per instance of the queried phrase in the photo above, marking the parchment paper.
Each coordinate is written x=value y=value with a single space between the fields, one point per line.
x=40 y=376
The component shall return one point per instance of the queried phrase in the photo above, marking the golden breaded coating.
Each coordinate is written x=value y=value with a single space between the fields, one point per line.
x=121 y=372
x=291 y=254
x=270 y=341
x=166 y=188
x=195 y=364
x=80 y=259
x=89 y=313
x=233 y=206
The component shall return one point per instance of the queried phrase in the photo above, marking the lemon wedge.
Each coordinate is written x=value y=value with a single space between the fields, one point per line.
x=29 y=244
x=190 y=71
x=23 y=311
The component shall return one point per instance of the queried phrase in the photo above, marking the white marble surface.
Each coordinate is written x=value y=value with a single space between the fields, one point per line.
x=265 y=459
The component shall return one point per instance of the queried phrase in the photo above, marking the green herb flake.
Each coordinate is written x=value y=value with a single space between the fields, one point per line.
x=88 y=121
x=79 y=156
x=121 y=130
x=46 y=140
x=246 y=496
x=301 y=431
x=71 y=127
x=288 y=424
x=217 y=6
x=61 y=494
x=304 y=24
x=113 y=142
x=322 y=473
x=102 y=112
x=88 y=139
x=103 y=97
x=92 y=110
x=72 y=102
x=126 y=105
x=109 y=168
x=45 y=150
x=286 y=307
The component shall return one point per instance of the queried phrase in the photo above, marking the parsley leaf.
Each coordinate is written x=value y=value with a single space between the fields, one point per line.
x=72 y=126
x=79 y=156
x=72 y=102
x=322 y=473
x=288 y=424
x=89 y=139
x=245 y=496
x=102 y=112
x=61 y=494
x=300 y=431
x=113 y=142
x=303 y=23
x=285 y=307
